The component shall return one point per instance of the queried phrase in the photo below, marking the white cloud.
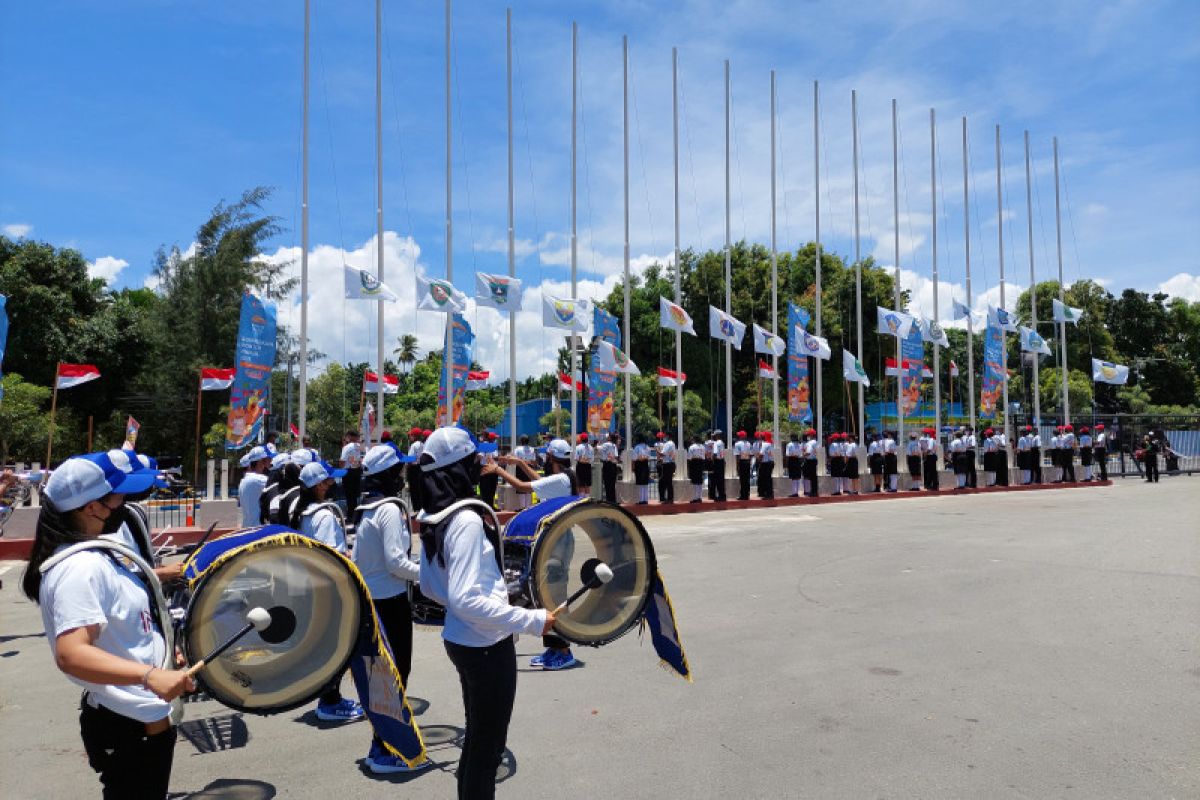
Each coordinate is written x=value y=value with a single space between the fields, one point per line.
x=107 y=267
x=17 y=230
x=1183 y=285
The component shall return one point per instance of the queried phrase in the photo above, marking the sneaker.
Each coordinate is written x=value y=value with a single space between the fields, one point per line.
x=343 y=711
x=386 y=763
x=555 y=660
x=539 y=659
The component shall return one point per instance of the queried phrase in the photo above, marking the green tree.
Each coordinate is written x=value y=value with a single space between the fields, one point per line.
x=23 y=420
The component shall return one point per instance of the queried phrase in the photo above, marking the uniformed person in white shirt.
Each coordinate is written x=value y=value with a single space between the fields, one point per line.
x=1066 y=458
x=716 y=475
x=850 y=450
x=526 y=453
x=958 y=460
x=835 y=461
x=812 y=484
x=584 y=455
x=875 y=461
x=695 y=468
x=641 y=470
x=709 y=446
x=608 y=454
x=766 y=467
x=1100 y=450
x=913 y=456
x=929 y=460
x=351 y=461
x=743 y=452
x=1086 y=453
x=971 y=444
x=1002 y=477
x=251 y=487
x=793 y=459
x=666 y=468
x=891 y=464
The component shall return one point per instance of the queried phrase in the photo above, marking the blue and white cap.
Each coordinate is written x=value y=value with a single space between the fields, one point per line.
x=304 y=455
x=281 y=460
x=558 y=448
x=379 y=458
x=256 y=454
x=81 y=479
x=317 y=471
x=445 y=446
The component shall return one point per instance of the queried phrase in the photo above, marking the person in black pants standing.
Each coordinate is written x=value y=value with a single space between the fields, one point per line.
x=1100 y=448
x=716 y=475
x=742 y=453
x=766 y=467
x=665 y=449
x=1150 y=449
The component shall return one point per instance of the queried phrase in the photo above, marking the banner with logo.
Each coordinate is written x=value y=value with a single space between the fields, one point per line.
x=798 y=403
x=601 y=383
x=993 y=370
x=912 y=358
x=132 y=426
x=459 y=344
x=254 y=357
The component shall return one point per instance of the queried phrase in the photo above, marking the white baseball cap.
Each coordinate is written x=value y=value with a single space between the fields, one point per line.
x=379 y=458
x=446 y=446
x=303 y=455
x=257 y=453
x=317 y=471
x=281 y=460
x=558 y=448
x=82 y=479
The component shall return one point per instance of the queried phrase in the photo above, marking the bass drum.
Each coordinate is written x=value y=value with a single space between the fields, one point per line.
x=268 y=568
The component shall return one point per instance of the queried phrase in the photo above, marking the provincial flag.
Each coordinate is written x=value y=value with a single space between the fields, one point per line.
x=497 y=291
x=1108 y=372
x=564 y=312
x=961 y=310
x=477 y=380
x=1031 y=342
x=893 y=323
x=891 y=371
x=765 y=370
x=1065 y=313
x=1002 y=318
x=673 y=317
x=565 y=384
x=667 y=377
x=953 y=369
x=72 y=375
x=438 y=294
x=391 y=383
x=362 y=284
x=725 y=327
x=932 y=331
x=852 y=369
x=814 y=346
x=767 y=342
x=214 y=379
x=613 y=360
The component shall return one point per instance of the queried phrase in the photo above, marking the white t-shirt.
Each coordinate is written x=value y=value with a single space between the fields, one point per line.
x=381 y=550
x=415 y=449
x=668 y=450
x=607 y=451
x=718 y=449
x=324 y=526
x=641 y=452
x=249 y=490
x=889 y=446
x=552 y=486
x=584 y=452
x=352 y=455
x=741 y=448
x=89 y=588
x=766 y=452
x=695 y=451
x=793 y=450
x=810 y=450
x=525 y=453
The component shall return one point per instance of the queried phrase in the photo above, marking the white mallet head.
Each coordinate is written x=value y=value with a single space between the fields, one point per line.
x=260 y=618
x=604 y=573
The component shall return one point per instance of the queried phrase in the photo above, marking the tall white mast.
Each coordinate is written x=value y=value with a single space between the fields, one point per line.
x=970 y=301
x=379 y=208
x=817 y=213
x=937 y=350
x=774 y=280
x=681 y=449
x=857 y=260
x=1062 y=326
x=1037 y=401
x=574 y=239
x=625 y=152
x=512 y=248
x=896 y=283
x=303 y=408
x=1000 y=239
x=728 y=265
x=447 y=355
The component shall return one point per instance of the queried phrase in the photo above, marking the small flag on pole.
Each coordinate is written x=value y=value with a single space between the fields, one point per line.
x=214 y=379
x=72 y=375
x=852 y=369
x=961 y=310
x=610 y=359
x=767 y=342
x=1031 y=342
x=765 y=370
x=932 y=331
x=1065 y=313
x=1002 y=318
x=893 y=323
x=391 y=383
x=293 y=429
x=565 y=384
x=669 y=377
x=1108 y=372
x=814 y=346
x=565 y=313
x=477 y=380
x=363 y=285
x=673 y=317
x=438 y=294
x=725 y=327
x=953 y=369
x=891 y=371
x=497 y=291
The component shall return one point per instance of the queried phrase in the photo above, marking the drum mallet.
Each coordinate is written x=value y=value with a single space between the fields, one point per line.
x=273 y=627
x=594 y=573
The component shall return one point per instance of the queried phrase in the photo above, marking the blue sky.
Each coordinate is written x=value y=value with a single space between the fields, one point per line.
x=124 y=123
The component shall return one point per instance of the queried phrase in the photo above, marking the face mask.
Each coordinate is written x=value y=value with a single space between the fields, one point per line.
x=473 y=470
x=116 y=517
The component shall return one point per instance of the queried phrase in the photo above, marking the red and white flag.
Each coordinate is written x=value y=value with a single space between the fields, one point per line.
x=953 y=369
x=391 y=383
x=669 y=377
x=765 y=370
x=565 y=383
x=477 y=380
x=71 y=375
x=890 y=369
x=214 y=379
x=295 y=431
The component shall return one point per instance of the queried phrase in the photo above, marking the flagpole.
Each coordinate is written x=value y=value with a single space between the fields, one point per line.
x=857 y=260
x=680 y=449
x=896 y=286
x=512 y=250
x=199 y=400
x=379 y=418
x=1037 y=400
x=1062 y=326
x=1000 y=239
x=53 y=410
x=729 y=260
x=817 y=212
x=937 y=348
x=303 y=398
x=774 y=282
x=970 y=302
x=574 y=208
x=447 y=353
x=625 y=152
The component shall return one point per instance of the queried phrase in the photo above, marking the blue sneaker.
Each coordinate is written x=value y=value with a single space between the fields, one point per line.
x=343 y=711
x=540 y=659
x=388 y=764
x=553 y=659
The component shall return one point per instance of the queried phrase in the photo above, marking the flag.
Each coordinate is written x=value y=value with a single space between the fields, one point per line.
x=565 y=313
x=613 y=360
x=932 y=331
x=391 y=383
x=554 y=404
x=72 y=375
x=909 y=366
x=254 y=355
x=1108 y=372
x=852 y=369
x=456 y=357
x=1031 y=342
x=893 y=323
x=363 y=285
x=953 y=369
x=1002 y=318
x=438 y=294
x=765 y=370
x=814 y=346
x=132 y=426
x=798 y=405
x=668 y=377
x=367 y=423
x=725 y=327
x=293 y=429
x=767 y=342
x=1065 y=313
x=565 y=384
x=674 y=317
x=659 y=620
x=961 y=310
x=477 y=380
x=497 y=291
x=214 y=379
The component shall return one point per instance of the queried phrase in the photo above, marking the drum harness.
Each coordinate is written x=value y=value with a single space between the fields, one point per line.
x=433 y=529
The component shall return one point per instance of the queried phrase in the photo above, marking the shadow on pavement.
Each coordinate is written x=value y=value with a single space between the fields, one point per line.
x=229 y=789
x=215 y=734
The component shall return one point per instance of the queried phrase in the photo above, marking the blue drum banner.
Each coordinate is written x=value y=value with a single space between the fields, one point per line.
x=254 y=357
x=993 y=370
x=799 y=405
x=459 y=345
x=601 y=383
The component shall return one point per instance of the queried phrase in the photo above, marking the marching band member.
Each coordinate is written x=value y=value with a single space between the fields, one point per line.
x=891 y=465
x=666 y=468
x=1100 y=446
x=716 y=477
x=1067 y=453
x=351 y=461
x=608 y=452
x=251 y=487
x=695 y=468
x=929 y=460
x=972 y=458
x=641 y=470
x=527 y=454
x=809 y=451
x=875 y=461
x=742 y=451
x=794 y=462
x=958 y=457
x=913 y=454
x=766 y=467
x=584 y=453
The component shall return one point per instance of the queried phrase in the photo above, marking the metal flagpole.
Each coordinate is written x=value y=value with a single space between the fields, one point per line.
x=303 y=229
x=199 y=401
x=728 y=264
x=1062 y=326
x=937 y=350
x=625 y=133
x=896 y=286
x=857 y=263
x=1000 y=239
x=970 y=302
x=574 y=240
x=1037 y=400
x=774 y=280
x=512 y=250
x=680 y=448
x=447 y=353
x=379 y=207
x=817 y=207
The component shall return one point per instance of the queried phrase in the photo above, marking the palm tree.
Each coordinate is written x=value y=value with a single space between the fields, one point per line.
x=407 y=352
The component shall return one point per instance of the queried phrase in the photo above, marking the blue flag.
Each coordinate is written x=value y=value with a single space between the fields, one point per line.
x=459 y=344
x=799 y=403
x=659 y=620
x=254 y=358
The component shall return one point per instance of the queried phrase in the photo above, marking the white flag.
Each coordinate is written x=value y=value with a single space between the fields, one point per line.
x=725 y=327
x=961 y=310
x=1065 y=313
x=1003 y=318
x=1108 y=372
x=893 y=323
x=565 y=313
x=932 y=331
x=814 y=345
x=610 y=359
x=363 y=285
x=497 y=291
x=673 y=317
x=1031 y=342
x=439 y=294
x=767 y=342
x=852 y=369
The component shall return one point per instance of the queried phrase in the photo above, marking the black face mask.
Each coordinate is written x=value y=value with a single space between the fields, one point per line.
x=116 y=517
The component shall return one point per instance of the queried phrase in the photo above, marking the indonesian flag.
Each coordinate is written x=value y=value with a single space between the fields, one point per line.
x=765 y=370
x=214 y=379
x=890 y=368
x=71 y=375
x=667 y=377
x=391 y=383
x=292 y=427
x=477 y=380
x=565 y=384
x=953 y=369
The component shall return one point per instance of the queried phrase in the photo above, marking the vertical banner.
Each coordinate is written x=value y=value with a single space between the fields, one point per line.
x=459 y=349
x=912 y=354
x=254 y=357
x=798 y=403
x=132 y=426
x=601 y=382
x=993 y=370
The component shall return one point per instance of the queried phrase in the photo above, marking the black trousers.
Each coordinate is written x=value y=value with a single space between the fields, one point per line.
x=743 y=471
x=972 y=473
x=131 y=764
x=766 y=486
x=1102 y=460
x=1035 y=462
x=931 y=472
x=1151 y=461
x=809 y=471
x=666 y=482
x=1067 y=460
x=716 y=480
x=608 y=475
x=487 y=488
x=1002 y=468
x=489 y=687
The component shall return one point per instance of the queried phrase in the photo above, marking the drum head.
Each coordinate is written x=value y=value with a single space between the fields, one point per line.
x=262 y=677
x=587 y=532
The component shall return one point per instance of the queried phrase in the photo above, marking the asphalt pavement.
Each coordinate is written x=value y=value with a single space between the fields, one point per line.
x=1014 y=645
